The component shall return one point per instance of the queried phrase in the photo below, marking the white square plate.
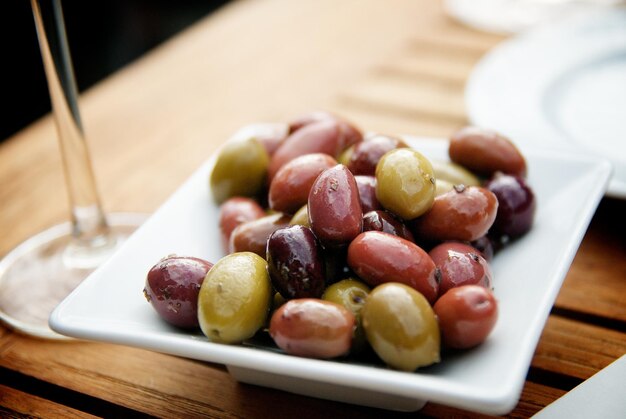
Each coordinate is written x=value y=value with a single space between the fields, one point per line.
x=110 y=306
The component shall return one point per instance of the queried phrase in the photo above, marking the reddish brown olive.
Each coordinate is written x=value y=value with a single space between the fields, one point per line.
x=378 y=257
x=236 y=211
x=460 y=264
x=313 y=328
x=289 y=189
x=463 y=214
x=252 y=236
x=466 y=316
x=485 y=152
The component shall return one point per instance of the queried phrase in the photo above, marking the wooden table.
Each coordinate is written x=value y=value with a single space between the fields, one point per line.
x=395 y=67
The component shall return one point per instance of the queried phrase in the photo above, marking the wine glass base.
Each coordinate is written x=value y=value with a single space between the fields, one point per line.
x=40 y=272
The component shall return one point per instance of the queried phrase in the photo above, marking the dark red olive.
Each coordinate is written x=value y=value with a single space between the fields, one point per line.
x=516 y=206
x=335 y=213
x=367 y=193
x=295 y=263
x=384 y=221
x=336 y=262
x=303 y=120
x=366 y=154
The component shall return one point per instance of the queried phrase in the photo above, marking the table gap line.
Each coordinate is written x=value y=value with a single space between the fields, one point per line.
x=590 y=318
x=552 y=379
x=65 y=396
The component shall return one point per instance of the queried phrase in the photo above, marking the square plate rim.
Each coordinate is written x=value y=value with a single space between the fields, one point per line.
x=430 y=387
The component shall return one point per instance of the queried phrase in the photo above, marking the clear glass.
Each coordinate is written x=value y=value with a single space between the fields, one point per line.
x=39 y=273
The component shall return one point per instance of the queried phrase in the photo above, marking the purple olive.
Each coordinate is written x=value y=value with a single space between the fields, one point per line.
x=172 y=287
x=485 y=246
x=384 y=221
x=516 y=206
x=295 y=262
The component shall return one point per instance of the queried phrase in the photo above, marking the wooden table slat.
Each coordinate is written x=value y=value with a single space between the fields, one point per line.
x=15 y=403
x=126 y=375
x=588 y=288
x=575 y=349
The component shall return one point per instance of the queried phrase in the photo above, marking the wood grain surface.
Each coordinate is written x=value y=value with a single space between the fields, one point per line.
x=395 y=67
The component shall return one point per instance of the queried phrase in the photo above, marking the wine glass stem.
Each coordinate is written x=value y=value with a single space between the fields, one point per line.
x=89 y=226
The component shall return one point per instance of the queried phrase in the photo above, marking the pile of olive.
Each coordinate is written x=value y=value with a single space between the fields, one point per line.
x=338 y=243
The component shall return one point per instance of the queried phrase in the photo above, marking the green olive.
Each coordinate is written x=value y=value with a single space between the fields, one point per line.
x=301 y=217
x=351 y=294
x=401 y=326
x=234 y=298
x=405 y=183
x=240 y=170
x=454 y=173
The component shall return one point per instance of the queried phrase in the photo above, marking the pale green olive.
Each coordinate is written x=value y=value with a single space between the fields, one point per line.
x=235 y=298
x=240 y=170
x=301 y=217
x=442 y=187
x=344 y=157
x=401 y=326
x=351 y=294
x=405 y=183
x=454 y=173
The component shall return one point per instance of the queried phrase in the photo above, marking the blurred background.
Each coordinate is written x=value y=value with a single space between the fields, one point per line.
x=103 y=37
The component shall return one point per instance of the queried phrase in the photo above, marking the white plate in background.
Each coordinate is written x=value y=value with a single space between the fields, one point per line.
x=560 y=86
x=109 y=306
